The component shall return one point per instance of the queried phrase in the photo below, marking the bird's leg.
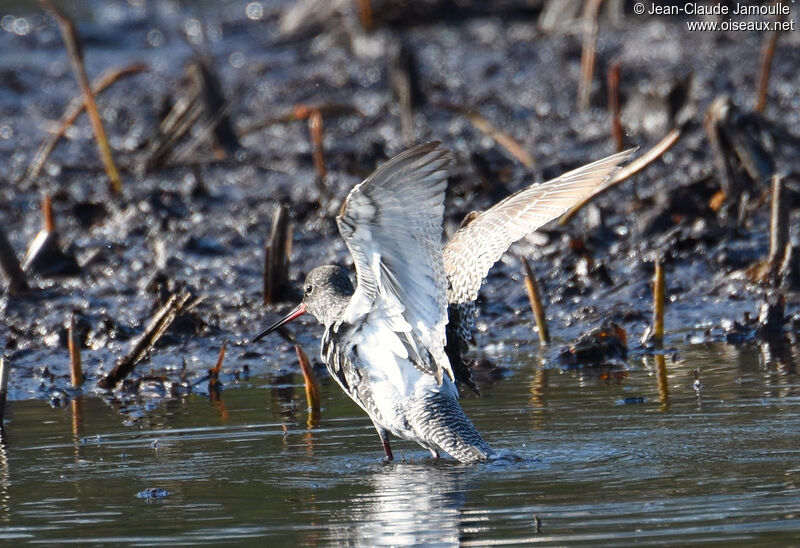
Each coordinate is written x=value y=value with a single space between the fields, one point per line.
x=384 y=435
x=387 y=449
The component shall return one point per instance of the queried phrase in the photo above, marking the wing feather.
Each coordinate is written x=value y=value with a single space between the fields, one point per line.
x=474 y=248
x=392 y=225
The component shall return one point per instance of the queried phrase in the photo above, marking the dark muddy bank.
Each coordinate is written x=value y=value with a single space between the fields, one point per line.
x=198 y=217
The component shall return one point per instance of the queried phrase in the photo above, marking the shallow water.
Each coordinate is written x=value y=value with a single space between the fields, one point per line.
x=605 y=456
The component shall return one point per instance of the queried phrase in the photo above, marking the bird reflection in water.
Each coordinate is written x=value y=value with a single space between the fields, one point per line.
x=410 y=504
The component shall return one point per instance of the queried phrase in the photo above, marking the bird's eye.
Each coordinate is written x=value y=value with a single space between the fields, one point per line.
x=309 y=289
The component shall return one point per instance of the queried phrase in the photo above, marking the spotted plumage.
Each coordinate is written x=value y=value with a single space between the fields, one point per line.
x=387 y=341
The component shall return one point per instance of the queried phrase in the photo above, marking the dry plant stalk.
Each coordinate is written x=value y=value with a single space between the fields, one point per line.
x=177 y=303
x=627 y=171
x=770 y=40
x=534 y=296
x=730 y=150
x=404 y=81
x=47 y=213
x=364 y=9
x=312 y=387
x=76 y=59
x=74 y=109
x=778 y=231
x=482 y=124
x=74 y=346
x=276 y=256
x=659 y=296
x=200 y=98
x=589 y=52
x=316 y=129
x=213 y=374
x=613 y=106
x=302 y=111
x=9 y=265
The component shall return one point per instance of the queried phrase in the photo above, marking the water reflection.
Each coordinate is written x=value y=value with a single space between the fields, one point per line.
x=661 y=376
x=5 y=479
x=282 y=396
x=776 y=352
x=725 y=470
x=410 y=504
x=76 y=406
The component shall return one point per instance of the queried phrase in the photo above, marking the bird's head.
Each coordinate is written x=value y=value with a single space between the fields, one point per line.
x=326 y=292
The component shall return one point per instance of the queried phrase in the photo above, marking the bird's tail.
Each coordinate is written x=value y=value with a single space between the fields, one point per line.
x=440 y=421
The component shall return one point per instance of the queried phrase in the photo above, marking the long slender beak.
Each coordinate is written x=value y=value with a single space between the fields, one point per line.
x=296 y=312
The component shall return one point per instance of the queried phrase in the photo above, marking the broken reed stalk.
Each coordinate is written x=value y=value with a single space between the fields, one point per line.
x=661 y=379
x=613 y=106
x=778 y=231
x=717 y=124
x=502 y=138
x=770 y=40
x=626 y=171
x=75 y=53
x=209 y=129
x=789 y=272
x=312 y=387
x=534 y=297
x=175 y=125
x=302 y=111
x=589 y=52
x=216 y=108
x=177 y=303
x=316 y=130
x=200 y=98
x=9 y=265
x=404 y=80
x=74 y=346
x=47 y=213
x=558 y=15
x=74 y=109
x=4 y=371
x=659 y=296
x=276 y=256
x=364 y=9
x=213 y=374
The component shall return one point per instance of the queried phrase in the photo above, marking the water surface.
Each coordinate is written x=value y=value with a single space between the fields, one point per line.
x=605 y=456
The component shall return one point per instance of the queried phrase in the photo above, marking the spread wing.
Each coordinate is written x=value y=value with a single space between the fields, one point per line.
x=392 y=225
x=474 y=248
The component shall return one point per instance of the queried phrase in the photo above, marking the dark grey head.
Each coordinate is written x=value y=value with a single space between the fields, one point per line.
x=326 y=292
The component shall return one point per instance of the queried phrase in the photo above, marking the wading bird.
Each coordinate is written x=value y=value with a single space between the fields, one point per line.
x=394 y=342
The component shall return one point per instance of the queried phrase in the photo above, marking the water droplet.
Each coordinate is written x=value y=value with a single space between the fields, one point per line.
x=254 y=11
x=236 y=59
x=21 y=26
x=7 y=22
x=194 y=30
x=155 y=38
